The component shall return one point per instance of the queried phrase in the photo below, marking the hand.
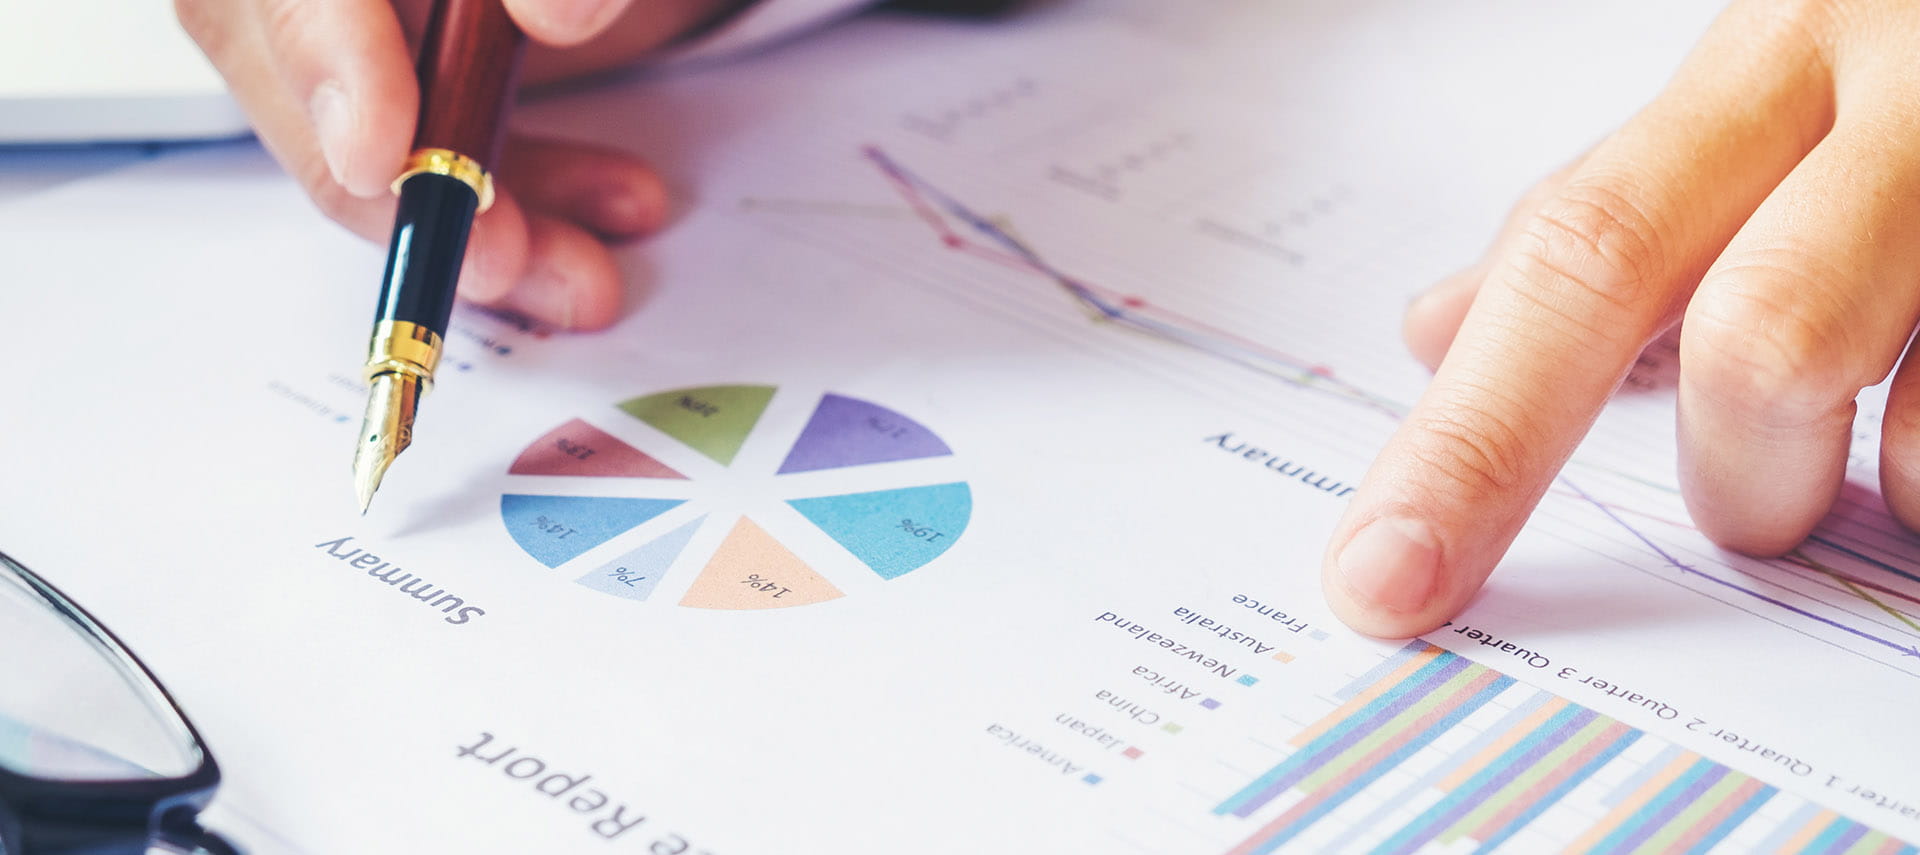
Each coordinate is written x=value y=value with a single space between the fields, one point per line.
x=1771 y=196
x=330 y=87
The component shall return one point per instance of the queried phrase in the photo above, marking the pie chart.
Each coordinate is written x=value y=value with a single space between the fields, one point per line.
x=594 y=499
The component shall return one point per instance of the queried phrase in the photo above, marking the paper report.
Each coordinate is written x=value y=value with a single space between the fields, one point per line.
x=957 y=481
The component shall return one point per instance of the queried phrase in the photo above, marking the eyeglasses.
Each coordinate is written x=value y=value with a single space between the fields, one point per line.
x=95 y=757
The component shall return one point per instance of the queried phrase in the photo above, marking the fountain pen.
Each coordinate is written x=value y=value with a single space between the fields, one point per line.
x=469 y=64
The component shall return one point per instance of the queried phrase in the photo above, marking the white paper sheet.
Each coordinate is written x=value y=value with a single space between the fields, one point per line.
x=1132 y=275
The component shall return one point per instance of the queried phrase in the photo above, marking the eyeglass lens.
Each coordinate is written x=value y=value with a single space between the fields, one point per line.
x=71 y=706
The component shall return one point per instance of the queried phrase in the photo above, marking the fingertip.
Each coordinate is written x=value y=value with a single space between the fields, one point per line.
x=634 y=202
x=606 y=190
x=1757 y=535
x=1424 y=341
x=336 y=126
x=1747 y=523
x=1904 y=505
x=571 y=281
x=348 y=66
x=388 y=105
x=1899 y=473
x=381 y=152
x=364 y=156
x=497 y=253
x=1374 y=623
x=1384 y=579
x=1370 y=620
x=1751 y=487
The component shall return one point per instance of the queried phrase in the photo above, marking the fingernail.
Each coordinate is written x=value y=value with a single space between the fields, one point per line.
x=577 y=17
x=546 y=294
x=333 y=124
x=620 y=210
x=1392 y=563
x=560 y=294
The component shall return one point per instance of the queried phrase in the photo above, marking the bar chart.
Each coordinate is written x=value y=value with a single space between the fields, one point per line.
x=1431 y=752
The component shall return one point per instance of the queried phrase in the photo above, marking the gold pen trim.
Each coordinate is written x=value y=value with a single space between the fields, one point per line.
x=403 y=347
x=454 y=165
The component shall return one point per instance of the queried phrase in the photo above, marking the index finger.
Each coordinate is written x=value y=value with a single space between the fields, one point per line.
x=1605 y=264
x=327 y=84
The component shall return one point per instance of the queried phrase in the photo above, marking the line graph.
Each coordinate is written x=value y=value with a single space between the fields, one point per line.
x=1860 y=588
x=1003 y=248
x=1905 y=649
x=963 y=230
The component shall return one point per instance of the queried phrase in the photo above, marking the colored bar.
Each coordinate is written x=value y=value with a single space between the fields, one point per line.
x=1395 y=731
x=1541 y=777
x=1810 y=839
x=1384 y=674
x=1631 y=785
x=1869 y=843
x=1874 y=841
x=1614 y=742
x=1703 y=774
x=1346 y=729
x=1487 y=779
x=1541 y=763
x=1486 y=747
x=1831 y=832
x=1485 y=687
x=1694 y=817
x=1783 y=837
x=1895 y=847
x=1502 y=742
x=1629 y=807
x=1736 y=811
x=1848 y=832
x=1406 y=670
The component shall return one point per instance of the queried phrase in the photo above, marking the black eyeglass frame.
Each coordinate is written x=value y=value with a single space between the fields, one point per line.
x=42 y=816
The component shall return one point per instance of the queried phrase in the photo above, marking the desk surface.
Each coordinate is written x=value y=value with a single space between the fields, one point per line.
x=30 y=170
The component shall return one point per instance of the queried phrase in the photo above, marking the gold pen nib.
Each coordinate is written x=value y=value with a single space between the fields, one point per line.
x=386 y=431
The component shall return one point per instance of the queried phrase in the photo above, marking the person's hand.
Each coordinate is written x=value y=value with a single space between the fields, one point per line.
x=330 y=88
x=1771 y=196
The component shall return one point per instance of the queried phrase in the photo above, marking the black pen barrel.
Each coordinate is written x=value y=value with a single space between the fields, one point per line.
x=423 y=258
